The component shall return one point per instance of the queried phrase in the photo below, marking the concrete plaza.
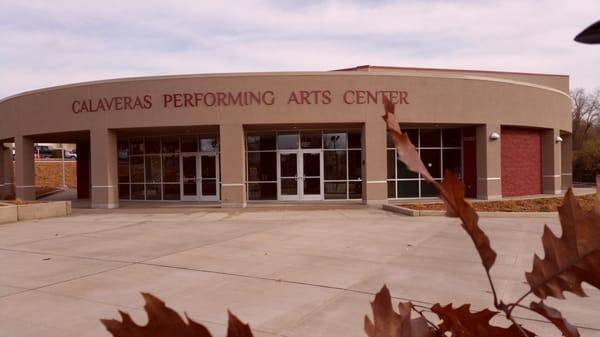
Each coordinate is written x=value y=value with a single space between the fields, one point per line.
x=288 y=271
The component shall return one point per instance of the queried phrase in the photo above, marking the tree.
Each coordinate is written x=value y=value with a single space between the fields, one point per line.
x=585 y=115
x=587 y=162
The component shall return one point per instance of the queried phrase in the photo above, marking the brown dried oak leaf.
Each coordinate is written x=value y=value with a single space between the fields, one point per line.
x=388 y=323
x=597 y=203
x=452 y=191
x=407 y=152
x=571 y=259
x=461 y=322
x=556 y=318
x=166 y=322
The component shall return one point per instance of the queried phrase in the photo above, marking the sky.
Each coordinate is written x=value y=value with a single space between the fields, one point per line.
x=53 y=42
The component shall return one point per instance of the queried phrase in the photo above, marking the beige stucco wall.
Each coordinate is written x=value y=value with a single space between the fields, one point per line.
x=560 y=82
x=433 y=99
x=6 y=177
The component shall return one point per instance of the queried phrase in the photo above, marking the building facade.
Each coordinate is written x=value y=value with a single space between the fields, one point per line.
x=253 y=137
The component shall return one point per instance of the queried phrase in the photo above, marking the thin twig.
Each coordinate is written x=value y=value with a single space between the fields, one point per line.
x=434 y=326
x=511 y=306
x=496 y=304
x=523 y=306
x=421 y=306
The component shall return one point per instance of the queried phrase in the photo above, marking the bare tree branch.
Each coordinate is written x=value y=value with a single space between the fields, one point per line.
x=585 y=114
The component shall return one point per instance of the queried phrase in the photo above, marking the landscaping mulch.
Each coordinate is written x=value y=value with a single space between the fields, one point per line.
x=526 y=205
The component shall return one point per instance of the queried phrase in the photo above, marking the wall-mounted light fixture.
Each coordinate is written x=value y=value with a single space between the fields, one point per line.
x=559 y=139
x=494 y=136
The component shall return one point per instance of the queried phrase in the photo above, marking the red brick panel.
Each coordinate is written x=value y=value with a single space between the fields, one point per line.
x=521 y=162
x=49 y=173
x=470 y=162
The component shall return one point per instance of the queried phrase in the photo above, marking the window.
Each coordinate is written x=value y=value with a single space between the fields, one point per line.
x=261 y=163
x=335 y=165
x=311 y=140
x=261 y=141
x=123 y=168
x=440 y=149
x=170 y=168
x=170 y=144
x=208 y=144
x=342 y=161
x=287 y=141
x=262 y=166
x=189 y=143
x=149 y=169
x=338 y=140
x=152 y=145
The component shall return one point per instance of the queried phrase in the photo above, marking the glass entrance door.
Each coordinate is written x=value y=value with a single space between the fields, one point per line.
x=189 y=177
x=300 y=175
x=199 y=177
x=312 y=175
x=288 y=175
x=209 y=188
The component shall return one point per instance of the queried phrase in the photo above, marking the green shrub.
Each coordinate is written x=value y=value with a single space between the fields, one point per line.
x=586 y=164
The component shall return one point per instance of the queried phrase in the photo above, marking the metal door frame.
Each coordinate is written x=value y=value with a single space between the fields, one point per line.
x=300 y=196
x=189 y=197
x=303 y=176
x=201 y=195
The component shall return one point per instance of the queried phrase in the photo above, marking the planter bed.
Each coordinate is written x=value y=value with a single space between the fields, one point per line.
x=18 y=211
x=509 y=206
x=8 y=213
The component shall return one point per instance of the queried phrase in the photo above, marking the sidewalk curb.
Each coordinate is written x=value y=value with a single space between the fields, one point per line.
x=414 y=212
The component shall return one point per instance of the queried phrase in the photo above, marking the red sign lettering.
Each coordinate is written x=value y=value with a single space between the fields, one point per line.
x=181 y=100
x=116 y=103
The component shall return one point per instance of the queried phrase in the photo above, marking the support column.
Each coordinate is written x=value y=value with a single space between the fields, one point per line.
x=489 y=184
x=83 y=170
x=24 y=168
x=105 y=192
x=374 y=163
x=233 y=165
x=6 y=173
x=566 y=159
x=551 y=162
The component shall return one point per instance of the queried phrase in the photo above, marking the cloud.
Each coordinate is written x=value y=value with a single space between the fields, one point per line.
x=56 y=42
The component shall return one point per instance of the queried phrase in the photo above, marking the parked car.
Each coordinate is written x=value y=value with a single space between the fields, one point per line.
x=42 y=151
x=70 y=154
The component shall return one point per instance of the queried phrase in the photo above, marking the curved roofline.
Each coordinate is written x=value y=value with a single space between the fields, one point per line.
x=278 y=74
x=367 y=66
